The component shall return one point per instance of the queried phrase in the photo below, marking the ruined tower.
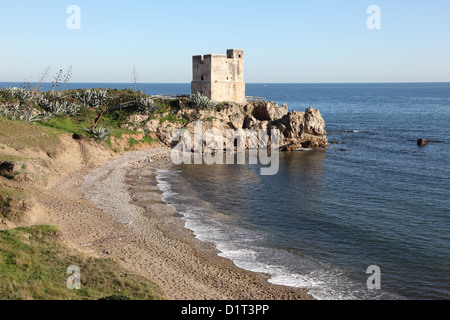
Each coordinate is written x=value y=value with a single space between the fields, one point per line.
x=220 y=77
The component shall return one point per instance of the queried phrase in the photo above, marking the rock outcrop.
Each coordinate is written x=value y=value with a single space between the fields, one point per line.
x=267 y=111
x=297 y=129
x=302 y=130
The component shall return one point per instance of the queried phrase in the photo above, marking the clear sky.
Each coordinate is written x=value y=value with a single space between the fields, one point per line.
x=284 y=40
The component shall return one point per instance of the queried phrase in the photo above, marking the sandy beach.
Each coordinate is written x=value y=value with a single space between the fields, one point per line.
x=117 y=211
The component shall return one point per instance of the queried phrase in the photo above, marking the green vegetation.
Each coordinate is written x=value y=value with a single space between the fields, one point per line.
x=92 y=97
x=200 y=101
x=147 y=106
x=172 y=118
x=35 y=119
x=99 y=134
x=72 y=111
x=115 y=118
x=149 y=140
x=6 y=96
x=132 y=142
x=68 y=124
x=210 y=119
x=20 y=135
x=95 y=113
x=34 y=262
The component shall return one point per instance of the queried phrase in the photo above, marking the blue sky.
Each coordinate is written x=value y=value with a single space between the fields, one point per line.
x=284 y=41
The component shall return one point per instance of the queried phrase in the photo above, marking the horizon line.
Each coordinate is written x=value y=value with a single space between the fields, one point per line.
x=364 y=82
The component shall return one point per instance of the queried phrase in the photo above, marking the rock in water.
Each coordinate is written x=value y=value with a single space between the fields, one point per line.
x=421 y=142
x=303 y=130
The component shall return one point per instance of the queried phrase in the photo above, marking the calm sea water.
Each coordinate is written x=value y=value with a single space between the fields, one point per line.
x=329 y=215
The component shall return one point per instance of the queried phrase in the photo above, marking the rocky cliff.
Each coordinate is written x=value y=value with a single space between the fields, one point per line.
x=297 y=129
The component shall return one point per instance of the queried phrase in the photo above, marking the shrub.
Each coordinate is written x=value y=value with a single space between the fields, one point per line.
x=100 y=134
x=147 y=106
x=200 y=101
x=60 y=108
x=6 y=96
x=18 y=93
x=93 y=98
x=16 y=111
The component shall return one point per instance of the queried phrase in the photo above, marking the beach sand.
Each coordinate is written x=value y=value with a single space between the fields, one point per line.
x=117 y=211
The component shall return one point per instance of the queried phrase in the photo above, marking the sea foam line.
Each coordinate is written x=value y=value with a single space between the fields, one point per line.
x=243 y=257
x=322 y=283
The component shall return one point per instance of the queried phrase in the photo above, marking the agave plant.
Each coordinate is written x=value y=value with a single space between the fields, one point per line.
x=147 y=106
x=56 y=108
x=42 y=102
x=29 y=116
x=18 y=112
x=23 y=94
x=70 y=109
x=60 y=108
x=19 y=93
x=4 y=111
x=84 y=97
x=100 y=134
x=73 y=109
x=201 y=101
x=93 y=98
x=99 y=97
x=45 y=116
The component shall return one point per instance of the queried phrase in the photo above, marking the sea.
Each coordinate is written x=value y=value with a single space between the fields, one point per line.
x=368 y=218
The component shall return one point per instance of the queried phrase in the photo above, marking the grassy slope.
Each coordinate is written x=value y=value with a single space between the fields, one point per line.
x=34 y=262
x=21 y=135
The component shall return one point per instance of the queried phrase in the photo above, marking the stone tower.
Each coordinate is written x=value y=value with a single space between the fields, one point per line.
x=220 y=77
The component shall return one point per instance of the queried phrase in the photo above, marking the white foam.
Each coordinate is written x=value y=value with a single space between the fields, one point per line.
x=294 y=280
x=237 y=244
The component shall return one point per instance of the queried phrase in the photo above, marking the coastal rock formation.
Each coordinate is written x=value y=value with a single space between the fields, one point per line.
x=297 y=129
x=237 y=120
x=267 y=111
x=152 y=125
x=302 y=130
